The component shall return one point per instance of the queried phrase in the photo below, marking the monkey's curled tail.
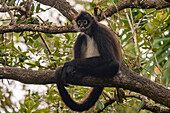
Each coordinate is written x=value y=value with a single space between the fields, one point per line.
x=86 y=104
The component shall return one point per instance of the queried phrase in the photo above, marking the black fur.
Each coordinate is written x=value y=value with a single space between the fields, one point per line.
x=105 y=65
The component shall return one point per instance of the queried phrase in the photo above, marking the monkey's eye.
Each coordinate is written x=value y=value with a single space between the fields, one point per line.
x=85 y=22
x=78 y=22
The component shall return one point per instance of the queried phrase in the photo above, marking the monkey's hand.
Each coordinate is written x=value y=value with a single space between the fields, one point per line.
x=70 y=67
x=58 y=74
x=64 y=74
x=71 y=70
x=67 y=70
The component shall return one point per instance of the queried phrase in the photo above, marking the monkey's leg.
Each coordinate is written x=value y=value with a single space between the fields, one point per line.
x=88 y=62
x=107 y=69
x=96 y=66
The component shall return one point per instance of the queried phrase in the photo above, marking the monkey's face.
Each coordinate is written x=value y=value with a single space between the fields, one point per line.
x=84 y=21
x=82 y=24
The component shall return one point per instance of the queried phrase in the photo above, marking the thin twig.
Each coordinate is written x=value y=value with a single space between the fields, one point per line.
x=10 y=13
x=143 y=18
x=155 y=59
x=44 y=43
x=42 y=20
x=133 y=32
x=102 y=12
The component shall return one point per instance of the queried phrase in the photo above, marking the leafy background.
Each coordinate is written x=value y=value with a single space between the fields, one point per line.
x=144 y=38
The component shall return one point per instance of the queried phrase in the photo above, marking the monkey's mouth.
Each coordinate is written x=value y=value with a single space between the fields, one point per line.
x=82 y=28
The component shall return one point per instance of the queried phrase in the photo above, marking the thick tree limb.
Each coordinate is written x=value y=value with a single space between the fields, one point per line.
x=38 y=28
x=128 y=79
x=69 y=12
x=27 y=76
x=142 y=4
x=62 y=6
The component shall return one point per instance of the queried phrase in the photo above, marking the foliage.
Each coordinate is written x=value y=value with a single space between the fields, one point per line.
x=144 y=36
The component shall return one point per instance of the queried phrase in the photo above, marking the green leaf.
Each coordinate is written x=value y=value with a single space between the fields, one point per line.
x=48 y=35
x=25 y=38
x=99 y=105
x=56 y=43
x=19 y=48
x=149 y=10
x=10 y=45
x=164 y=15
x=32 y=8
x=46 y=51
x=35 y=36
x=38 y=8
x=140 y=106
x=30 y=40
x=138 y=16
x=36 y=43
x=67 y=35
x=11 y=2
x=162 y=39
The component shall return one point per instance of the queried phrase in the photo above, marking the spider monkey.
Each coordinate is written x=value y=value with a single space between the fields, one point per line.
x=96 y=53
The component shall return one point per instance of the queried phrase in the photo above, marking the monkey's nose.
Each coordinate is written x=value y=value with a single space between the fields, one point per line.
x=82 y=28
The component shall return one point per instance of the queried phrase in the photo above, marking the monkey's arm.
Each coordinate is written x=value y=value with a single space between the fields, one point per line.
x=77 y=54
x=77 y=46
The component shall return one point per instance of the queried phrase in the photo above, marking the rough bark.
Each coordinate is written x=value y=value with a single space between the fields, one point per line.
x=147 y=104
x=27 y=76
x=69 y=12
x=142 y=4
x=127 y=79
x=37 y=28
x=62 y=6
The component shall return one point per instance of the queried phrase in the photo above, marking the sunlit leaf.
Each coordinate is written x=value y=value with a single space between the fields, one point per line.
x=37 y=8
x=11 y=2
x=156 y=70
x=36 y=43
x=99 y=105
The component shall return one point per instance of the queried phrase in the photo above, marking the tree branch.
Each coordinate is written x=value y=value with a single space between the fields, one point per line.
x=127 y=79
x=62 y=6
x=18 y=8
x=66 y=9
x=144 y=4
x=37 y=28
x=27 y=76
x=147 y=104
